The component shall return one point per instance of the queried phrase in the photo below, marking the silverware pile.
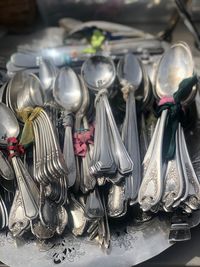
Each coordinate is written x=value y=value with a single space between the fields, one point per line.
x=85 y=137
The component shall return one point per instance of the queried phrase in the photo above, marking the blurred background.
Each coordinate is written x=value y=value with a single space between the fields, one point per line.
x=22 y=14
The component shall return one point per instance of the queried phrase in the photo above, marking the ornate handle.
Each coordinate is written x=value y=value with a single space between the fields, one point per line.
x=106 y=159
x=149 y=152
x=117 y=203
x=125 y=164
x=151 y=188
x=89 y=181
x=18 y=222
x=25 y=182
x=174 y=185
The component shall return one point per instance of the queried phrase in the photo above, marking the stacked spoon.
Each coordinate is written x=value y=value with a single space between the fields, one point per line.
x=87 y=135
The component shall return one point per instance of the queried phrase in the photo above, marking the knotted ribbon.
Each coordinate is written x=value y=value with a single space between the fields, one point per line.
x=13 y=145
x=175 y=114
x=28 y=115
x=81 y=140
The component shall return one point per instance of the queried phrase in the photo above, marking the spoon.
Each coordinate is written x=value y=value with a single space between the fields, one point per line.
x=99 y=73
x=24 y=90
x=47 y=75
x=77 y=221
x=193 y=197
x=67 y=93
x=9 y=127
x=102 y=159
x=185 y=68
x=130 y=77
x=117 y=201
x=175 y=65
x=86 y=181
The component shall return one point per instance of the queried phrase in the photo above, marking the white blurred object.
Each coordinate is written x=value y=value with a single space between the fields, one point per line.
x=47 y=38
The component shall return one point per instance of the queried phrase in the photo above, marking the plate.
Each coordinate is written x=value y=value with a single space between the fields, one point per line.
x=131 y=245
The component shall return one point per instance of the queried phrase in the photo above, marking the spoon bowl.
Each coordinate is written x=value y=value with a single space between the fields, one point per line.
x=47 y=75
x=9 y=126
x=98 y=72
x=68 y=94
x=35 y=90
x=67 y=90
x=180 y=59
x=24 y=90
x=129 y=71
x=130 y=76
x=15 y=87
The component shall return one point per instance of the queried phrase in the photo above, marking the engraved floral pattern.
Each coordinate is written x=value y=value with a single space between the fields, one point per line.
x=123 y=239
x=67 y=249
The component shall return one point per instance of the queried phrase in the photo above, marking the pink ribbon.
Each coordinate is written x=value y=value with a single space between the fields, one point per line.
x=166 y=99
x=81 y=141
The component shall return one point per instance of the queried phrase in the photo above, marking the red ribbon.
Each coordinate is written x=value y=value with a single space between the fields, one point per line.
x=13 y=145
x=81 y=141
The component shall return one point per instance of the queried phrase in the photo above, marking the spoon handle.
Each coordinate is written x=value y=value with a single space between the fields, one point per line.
x=151 y=188
x=193 y=199
x=143 y=137
x=93 y=207
x=30 y=204
x=173 y=184
x=106 y=158
x=125 y=164
x=56 y=151
x=117 y=203
x=131 y=142
x=68 y=153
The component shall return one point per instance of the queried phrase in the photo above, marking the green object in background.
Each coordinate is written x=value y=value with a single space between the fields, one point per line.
x=96 y=42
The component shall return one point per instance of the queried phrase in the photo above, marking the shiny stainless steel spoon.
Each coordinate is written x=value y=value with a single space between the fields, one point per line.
x=130 y=76
x=68 y=94
x=24 y=91
x=84 y=179
x=47 y=75
x=18 y=222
